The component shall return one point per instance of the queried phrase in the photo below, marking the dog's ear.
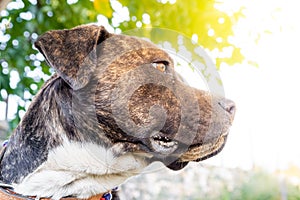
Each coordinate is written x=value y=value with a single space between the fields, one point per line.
x=73 y=52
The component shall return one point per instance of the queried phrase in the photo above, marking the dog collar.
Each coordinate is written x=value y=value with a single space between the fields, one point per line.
x=106 y=196
x=6 y=193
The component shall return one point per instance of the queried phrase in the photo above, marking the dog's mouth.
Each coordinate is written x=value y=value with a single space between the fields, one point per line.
x=163 y=144
x=201 y=152
x=197 y=153
x=176 y=155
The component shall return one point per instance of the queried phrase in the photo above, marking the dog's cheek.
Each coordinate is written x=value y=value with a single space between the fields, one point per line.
x=150 y=95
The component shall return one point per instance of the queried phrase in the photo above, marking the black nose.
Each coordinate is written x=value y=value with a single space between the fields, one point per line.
x=228 y=105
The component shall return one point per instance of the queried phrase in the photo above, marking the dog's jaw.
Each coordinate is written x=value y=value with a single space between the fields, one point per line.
x=81 y=170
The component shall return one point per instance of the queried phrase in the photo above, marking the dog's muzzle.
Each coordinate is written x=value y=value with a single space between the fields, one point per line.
x=201 y=148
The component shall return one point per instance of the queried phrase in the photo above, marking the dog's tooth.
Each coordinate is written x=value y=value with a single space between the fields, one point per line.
x=171 y=144
x=156 y=137
x=164 y=141
x=167 y=144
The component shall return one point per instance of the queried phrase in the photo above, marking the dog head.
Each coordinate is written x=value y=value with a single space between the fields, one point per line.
x=125 y=91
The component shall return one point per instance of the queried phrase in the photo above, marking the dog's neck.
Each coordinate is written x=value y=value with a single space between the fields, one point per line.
x=33 y=137
x=60 y=161
x=81 y=170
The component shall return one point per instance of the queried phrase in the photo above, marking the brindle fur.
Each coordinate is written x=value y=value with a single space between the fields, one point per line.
x=78 y=102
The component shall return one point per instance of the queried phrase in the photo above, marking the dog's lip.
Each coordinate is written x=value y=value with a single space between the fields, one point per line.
x=199 y=152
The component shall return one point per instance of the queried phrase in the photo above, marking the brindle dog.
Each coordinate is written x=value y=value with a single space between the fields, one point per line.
x=114 y=106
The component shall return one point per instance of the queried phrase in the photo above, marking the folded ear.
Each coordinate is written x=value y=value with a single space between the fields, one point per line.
x=73 y=52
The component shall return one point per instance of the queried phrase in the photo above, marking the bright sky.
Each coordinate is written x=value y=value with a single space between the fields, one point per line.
x=266 y=129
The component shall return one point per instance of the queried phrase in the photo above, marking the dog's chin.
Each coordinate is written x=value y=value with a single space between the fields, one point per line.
x=195 y=153
x=177 y=165
x=199 y=152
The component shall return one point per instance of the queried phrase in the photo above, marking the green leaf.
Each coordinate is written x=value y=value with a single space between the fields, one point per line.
x=103 y=7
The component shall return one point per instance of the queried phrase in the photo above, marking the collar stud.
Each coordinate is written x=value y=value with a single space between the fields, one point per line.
x=106 y=196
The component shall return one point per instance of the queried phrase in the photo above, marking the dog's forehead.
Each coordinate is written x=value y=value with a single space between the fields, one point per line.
x=118 y=45
x=129 y=42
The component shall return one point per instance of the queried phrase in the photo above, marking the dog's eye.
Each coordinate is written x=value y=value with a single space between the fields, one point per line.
x=161 y=66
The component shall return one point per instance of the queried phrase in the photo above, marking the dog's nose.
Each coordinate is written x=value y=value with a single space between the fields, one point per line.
x=228 y=106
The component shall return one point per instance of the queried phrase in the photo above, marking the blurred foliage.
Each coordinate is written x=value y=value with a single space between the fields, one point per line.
x=261 y=185
x=200 y=18
x=213 y=183
x=22 y=67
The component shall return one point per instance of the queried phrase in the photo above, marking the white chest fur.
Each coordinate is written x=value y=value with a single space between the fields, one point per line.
x=81 y=170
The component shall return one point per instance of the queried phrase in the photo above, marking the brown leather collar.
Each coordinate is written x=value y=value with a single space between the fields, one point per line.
x=7 y=194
